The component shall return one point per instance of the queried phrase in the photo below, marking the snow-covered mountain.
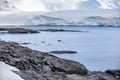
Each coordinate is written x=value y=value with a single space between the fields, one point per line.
x=88 y=21
x=46 y=20
x=70 y=17
x=76 y=15
x=100 y=21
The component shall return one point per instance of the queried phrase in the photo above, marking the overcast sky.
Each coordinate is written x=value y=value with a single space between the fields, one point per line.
x=53 y=5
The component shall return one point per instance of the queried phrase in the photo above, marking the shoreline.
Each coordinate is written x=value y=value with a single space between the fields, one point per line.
x=34 y=65
x=19 y=25
x=45 y=45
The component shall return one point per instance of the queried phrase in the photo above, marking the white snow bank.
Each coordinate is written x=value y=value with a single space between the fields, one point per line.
x=6 y=72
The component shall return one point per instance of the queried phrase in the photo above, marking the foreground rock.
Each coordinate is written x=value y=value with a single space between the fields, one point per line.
x=36 y=65
x=26 y=59
x=17 y=30
x=60 y=30
x=115 y=73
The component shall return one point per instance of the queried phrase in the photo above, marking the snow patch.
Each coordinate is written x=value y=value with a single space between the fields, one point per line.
x=6 y=72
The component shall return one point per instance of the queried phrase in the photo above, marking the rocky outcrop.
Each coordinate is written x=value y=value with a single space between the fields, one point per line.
x=60 y=30
x=64 y=52
x=17 y=30
x=36 y=65
x=115 y=73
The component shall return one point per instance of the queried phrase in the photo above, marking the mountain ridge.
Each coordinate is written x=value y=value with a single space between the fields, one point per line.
x=87 y=21
x=69 y=16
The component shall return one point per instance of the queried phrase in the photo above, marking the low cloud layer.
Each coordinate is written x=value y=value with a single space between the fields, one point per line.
x=109 y=4
x=54 y=5
x=46 y=5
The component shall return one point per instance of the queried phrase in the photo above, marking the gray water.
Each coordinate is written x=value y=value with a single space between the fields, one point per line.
x=98 y=49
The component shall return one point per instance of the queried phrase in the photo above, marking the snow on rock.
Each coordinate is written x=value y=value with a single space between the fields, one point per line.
x=6 y=72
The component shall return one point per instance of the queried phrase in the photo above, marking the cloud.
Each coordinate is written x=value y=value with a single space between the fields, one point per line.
x=89 y=4
x=62 y=4
x=54 y=5
x=109 y=4
x=45 y=5
x=31 y=5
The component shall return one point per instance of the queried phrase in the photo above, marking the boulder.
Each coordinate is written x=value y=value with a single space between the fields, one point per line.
x=115 y=73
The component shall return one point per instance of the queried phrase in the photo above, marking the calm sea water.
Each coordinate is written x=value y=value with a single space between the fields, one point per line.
x=98 y=49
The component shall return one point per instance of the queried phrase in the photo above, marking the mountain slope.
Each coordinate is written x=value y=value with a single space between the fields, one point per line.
x=71 y=17
x=100 y=21
x=46 y=20
x=87 y=21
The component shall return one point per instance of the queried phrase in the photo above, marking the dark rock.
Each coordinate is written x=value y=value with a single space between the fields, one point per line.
x=26 y=59
x=97 y=75
x=42 y=41
x=115 y=73
x=34 y=44
x=64 y=52
x=59 y=40
x=49 y=44
x=30 y=75
x=60 y=30
x=25 y=43
x=17 y=30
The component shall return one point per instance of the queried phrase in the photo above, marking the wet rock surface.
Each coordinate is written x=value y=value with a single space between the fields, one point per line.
x=36 y=65
x=17 y=30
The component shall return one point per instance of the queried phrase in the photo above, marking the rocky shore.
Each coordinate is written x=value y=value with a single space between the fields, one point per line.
x=17 y=30
x=36 y=65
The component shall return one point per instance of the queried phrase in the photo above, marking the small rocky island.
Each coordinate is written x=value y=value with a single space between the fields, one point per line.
x=37 y=65
x=60 y=30
x=64 y=52
x=17 y=30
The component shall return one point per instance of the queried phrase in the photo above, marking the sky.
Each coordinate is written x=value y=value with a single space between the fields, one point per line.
x=56 y=5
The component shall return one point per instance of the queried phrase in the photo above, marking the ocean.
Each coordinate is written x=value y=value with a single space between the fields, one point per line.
x=98 y=47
